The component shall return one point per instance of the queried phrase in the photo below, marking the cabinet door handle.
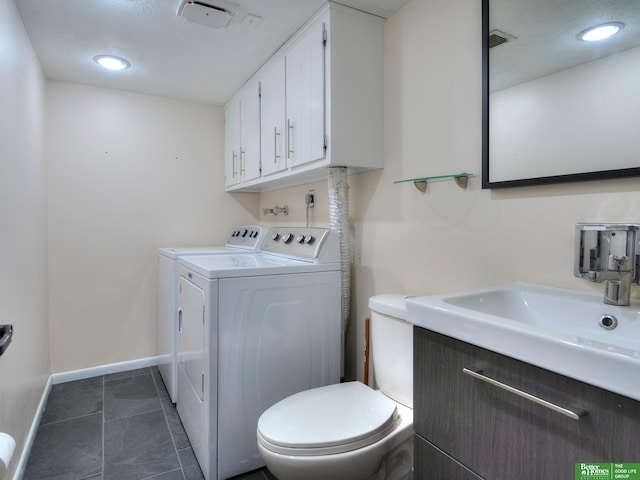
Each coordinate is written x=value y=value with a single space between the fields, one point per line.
x=276 y=134
x=476 y=373
x=234 y=157
x=289 y=128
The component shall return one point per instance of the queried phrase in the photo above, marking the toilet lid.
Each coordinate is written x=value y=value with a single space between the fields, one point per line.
x=326 y=420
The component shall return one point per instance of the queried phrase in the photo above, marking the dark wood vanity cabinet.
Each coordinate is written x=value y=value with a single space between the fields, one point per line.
x=467 y=429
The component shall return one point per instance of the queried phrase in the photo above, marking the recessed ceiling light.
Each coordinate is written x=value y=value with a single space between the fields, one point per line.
x=111 y=62
x=600 y=32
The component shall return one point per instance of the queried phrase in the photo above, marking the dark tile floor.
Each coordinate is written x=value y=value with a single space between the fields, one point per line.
x=121 y=426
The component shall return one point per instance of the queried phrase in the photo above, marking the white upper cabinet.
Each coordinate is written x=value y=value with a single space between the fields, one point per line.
x=232 y=142
x=321 y=104
x=272 y=118
x=250 y=132
x=242 y=136
x=305 y=95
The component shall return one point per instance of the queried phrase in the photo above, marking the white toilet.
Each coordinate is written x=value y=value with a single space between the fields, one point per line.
x=349 y=431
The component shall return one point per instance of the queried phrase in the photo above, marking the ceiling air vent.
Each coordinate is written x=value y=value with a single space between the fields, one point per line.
x=497 y=37
x=211 y=13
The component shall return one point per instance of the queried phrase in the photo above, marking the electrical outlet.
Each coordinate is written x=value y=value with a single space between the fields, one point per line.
x=309 y=199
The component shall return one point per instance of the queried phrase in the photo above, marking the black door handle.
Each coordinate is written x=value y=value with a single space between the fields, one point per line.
x=6 y=332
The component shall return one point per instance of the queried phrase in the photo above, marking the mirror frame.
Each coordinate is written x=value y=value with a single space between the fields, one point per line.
x=486 y=182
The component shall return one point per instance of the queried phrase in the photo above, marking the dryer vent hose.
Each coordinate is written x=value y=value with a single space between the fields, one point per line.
x=339 y=221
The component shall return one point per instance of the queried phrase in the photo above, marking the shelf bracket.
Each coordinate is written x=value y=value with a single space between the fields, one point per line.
x=421 y=185
x=462 y=181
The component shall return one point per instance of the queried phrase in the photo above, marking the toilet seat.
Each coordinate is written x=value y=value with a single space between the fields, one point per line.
x=327 y=420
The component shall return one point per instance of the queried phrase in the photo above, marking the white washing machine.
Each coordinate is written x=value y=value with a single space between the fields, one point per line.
x=254 y=329
x=242 y=240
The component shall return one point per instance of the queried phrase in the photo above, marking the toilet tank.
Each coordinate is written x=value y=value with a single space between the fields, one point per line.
x=392 y=347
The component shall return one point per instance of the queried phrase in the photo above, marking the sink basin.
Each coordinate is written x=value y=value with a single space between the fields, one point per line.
x=556 y=329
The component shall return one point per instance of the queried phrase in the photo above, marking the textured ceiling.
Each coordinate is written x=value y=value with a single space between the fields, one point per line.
x=169 y=55
x=175 y=58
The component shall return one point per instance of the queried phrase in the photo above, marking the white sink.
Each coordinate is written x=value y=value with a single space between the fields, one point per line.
x=553 y=328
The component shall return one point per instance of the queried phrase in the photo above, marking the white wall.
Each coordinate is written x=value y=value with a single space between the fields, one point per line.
x=447 y=238
x=24 y=367
x=128 y=173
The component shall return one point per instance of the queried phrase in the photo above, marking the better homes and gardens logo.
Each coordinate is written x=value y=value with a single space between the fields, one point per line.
x=607 y=471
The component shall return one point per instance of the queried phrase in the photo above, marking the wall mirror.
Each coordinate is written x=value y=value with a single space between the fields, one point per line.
x=558 y=107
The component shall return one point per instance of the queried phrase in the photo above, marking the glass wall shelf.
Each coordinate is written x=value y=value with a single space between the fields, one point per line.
x=421 y=183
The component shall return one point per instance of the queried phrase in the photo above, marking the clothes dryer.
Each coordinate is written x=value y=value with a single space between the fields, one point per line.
x=246 y=239
x=254 y=329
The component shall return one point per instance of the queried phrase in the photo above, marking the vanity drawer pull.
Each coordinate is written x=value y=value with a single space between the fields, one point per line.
x=476 y=373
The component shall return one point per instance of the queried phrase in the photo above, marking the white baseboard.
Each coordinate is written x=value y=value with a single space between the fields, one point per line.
x=71 y=376
x=83 y=373
x=31 y=436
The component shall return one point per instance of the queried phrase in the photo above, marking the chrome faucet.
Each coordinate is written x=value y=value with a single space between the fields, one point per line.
x=610 y=253
x=617 y=280
x=276 y=210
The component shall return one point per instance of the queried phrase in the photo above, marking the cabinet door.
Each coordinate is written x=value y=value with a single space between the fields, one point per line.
x=232 y=142
x=501 y=436
x=306 y=109
x=272 y=118
x=249 y=163
x=192 y=335
x=431 y=463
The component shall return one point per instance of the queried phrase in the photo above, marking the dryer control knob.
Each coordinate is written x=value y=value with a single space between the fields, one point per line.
x=287 y=238
x=275 y=237
x=244 y=234
x=309 y=239
x=300 y=239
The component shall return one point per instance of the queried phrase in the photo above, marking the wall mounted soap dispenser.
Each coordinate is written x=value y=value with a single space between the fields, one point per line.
x=609 y=252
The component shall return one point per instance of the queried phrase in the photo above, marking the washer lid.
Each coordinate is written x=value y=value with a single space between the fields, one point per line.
x=331 y=419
